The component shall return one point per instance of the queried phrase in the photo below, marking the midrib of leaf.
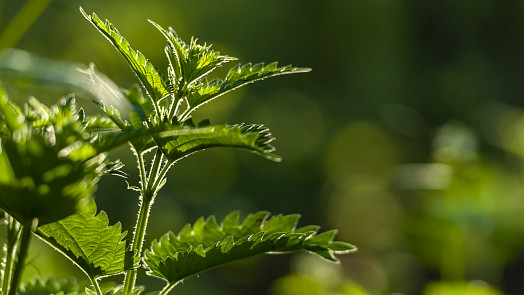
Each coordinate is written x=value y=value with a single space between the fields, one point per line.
x=83 y=254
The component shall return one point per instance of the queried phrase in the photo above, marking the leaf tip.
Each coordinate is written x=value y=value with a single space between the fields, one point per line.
x=304 y=70
x=84 y=13
x=153 y=23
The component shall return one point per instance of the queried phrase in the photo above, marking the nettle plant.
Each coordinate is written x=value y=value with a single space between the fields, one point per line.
x=51 y=159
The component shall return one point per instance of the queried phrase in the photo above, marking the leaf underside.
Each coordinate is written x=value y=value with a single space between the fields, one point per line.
x=87 y=240
x=207 y=245
x=179 y=141
x=237 y=76
x=191 y=139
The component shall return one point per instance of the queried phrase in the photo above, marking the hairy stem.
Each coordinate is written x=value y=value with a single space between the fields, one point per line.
x=175 y=103
x=143 y=174
x=13 y=237
x=167 y=288
x=162 y=173
x=138 y=240
x=25 y=240
x=146 y=200
x=153 y=174
x=97 y=287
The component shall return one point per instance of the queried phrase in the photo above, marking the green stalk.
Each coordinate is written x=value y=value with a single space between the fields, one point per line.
x=153 y=174
x=162 y=173
x=22 y=22
x=97 y=287
x=175 y=104
x=13 y=237
x=146 y=200
x=138 y=240
x=142 y=167
x=25 y=240
x=167 y=288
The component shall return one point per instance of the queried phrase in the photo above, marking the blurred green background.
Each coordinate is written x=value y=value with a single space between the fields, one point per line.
x=407 y=136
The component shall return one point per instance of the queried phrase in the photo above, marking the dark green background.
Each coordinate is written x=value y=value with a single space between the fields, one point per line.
x=407 y=136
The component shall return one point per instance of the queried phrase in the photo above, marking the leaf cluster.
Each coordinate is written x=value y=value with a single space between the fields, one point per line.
x=49 y=159
x=172 y=99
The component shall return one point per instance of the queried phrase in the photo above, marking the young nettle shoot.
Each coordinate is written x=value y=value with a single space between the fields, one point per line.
x=51 y=159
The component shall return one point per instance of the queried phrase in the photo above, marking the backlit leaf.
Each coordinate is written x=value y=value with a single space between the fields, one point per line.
x=188 y=140
x=148 y=74
x=190 y=62
x=236 y=77
x=87 y=240
x=49 y=285
x=47 y=158
x=206 y=245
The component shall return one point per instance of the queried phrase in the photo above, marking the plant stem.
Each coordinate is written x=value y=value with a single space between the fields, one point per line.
x=13 y=237
x=162 y=173
x=167 y=288
x=22 y=22
x=153 y=174
x=146 y=200
x=175 y=104
x=143 y=176
x=97 y=287
x=138 y=240
x=25 y=240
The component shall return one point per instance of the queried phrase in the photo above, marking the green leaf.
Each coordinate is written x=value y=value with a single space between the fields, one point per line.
x=189 y=139
x=149 y=76
x=142 y=108
x=131 y=102
x=86 y=239
x=49 y=285
x=190 y=62
x=236 y=77
x=137 y=134
x=206 y=245
x=48 y=161
x=10 y=114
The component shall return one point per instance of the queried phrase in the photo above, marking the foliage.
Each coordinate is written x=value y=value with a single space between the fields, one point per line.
x=87 y=240
x=207 y=245
x=48 y=159
x=54 y=156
